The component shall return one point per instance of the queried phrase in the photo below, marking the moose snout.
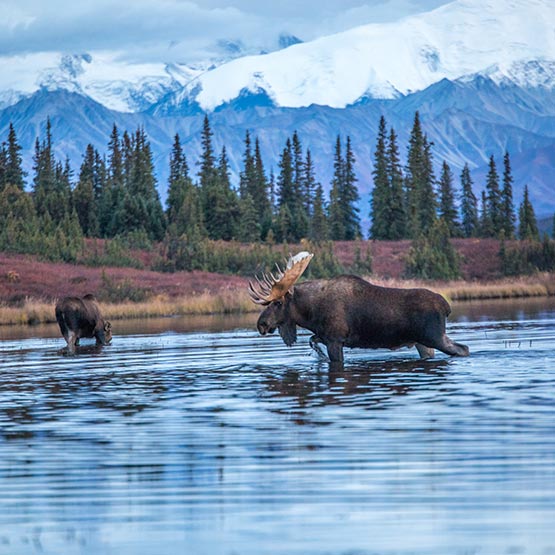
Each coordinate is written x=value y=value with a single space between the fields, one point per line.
x=264 y=328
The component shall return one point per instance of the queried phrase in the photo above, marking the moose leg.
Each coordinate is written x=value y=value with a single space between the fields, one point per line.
x=424 y=352
x=438 y=339
x=335 y=351
x=71 y=342
x=314 y=344
x=449 y=347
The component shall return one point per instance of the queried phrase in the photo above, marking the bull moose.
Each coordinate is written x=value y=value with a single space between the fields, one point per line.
x=80 y=317
x=348 y=311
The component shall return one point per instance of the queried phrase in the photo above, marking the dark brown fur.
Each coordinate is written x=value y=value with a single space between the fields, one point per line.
x=350 y=312
x=81 y=317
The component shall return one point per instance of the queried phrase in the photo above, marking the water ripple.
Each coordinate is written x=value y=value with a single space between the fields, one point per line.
x=224 y=442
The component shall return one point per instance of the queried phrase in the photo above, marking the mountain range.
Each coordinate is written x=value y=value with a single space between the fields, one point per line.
x=481 y=75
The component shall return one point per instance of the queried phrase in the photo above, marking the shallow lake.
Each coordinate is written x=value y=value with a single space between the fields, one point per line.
x=197 y=436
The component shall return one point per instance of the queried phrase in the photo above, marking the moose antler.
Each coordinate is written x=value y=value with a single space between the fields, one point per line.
x=271 y=287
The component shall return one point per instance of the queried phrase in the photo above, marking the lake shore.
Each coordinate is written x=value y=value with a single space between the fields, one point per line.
x=235 y=300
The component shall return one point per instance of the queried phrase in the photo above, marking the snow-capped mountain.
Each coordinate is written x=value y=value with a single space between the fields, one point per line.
x=462 y=38
x=480 y=72
x=126 y=89
x=109 y=79
x=498 y=38
x=467 y=120
x=116 y=85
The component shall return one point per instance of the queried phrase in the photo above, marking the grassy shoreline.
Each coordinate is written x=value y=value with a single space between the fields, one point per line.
x=234 y=301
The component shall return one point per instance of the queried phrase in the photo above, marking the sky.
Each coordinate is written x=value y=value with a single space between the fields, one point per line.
x=181 y=31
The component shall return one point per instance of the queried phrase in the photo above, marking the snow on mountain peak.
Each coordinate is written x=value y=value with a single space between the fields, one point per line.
x=539 y=73
x=65 y=74
x=108 y=78
x=386 y=60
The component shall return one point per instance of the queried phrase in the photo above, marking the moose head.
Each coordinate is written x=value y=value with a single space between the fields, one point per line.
x=275 y=293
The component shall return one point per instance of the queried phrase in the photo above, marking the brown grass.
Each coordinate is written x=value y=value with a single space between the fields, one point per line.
x=230 y=301
x=540 y=285
x=33 y=311
x=31 y=297
x=226 y=302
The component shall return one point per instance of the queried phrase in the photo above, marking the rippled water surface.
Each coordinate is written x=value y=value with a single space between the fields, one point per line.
x=200 y=437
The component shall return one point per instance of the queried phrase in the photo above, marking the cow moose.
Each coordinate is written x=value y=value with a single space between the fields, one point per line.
x=348 y=311
x=80 y=317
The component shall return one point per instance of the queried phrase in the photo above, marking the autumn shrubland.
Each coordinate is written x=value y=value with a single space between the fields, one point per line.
x=103 y=229
x=29 y=287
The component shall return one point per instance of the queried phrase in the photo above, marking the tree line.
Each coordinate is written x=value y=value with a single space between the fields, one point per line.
x=407 y=201
x=115 y=195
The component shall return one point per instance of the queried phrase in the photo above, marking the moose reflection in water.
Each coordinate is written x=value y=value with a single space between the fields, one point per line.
x=371 y=383
x=347 y=311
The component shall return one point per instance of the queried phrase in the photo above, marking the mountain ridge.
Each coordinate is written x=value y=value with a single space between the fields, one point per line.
x=462 y=38
x=466 y=120
x=478 y=95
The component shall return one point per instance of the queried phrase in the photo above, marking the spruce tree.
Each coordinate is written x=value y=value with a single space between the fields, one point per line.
x=298 y=165
x=111 y=202
x=398 y=223
x=225 y=214
x=207 y=159
x=469 y=205
x=285 y=230
x=432 y=256
x=86 y=205
x=142 y=206
x=272 y=194
x=127 y=145
x=318 y=222
x=3 y=165
x=247 y=178
x=337 y=231
x=508 y=209
x=19 y=227
x=51 y=182
x=494 y=201
x=261 y=192
x=189 y=221
x=527 y=226
x=414 y=176
x=14 y=173
x=310 y=184
x=101 y=187
x=213 y=196
x=381 y=201
x=178 y=181
x=253 y=182
x=184 y=210
x=421 y=201
x=299 y=209
x=249 y=227
x=427 y=201
x=350 y=196
x=447 y=211
x=485 y=222
x=284 y=225
x=43 y=181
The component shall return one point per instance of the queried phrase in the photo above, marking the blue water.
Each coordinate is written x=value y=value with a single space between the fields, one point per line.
x=219 y=441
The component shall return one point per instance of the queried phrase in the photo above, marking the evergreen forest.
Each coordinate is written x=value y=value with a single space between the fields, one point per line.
x=97 y=214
